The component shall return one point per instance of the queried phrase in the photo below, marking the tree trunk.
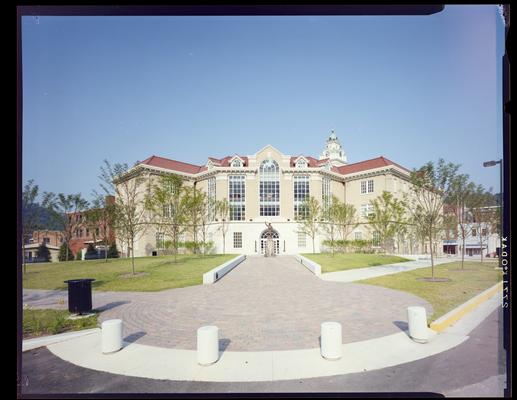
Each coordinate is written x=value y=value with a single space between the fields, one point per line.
x=432 y=260
x=463 y=252
x=133 y=254
x=224 y=244
x=313 y=250
x=23 y=255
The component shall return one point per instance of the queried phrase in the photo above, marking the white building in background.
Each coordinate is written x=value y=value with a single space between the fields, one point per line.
x=269 y=186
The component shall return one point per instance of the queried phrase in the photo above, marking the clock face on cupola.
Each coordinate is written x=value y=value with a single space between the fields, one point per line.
x=334 y=151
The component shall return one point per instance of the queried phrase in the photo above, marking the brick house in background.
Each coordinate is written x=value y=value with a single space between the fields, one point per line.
x=49 y=237
x=82 y=235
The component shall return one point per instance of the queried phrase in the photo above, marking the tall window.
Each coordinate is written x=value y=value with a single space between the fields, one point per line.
x=301 y=193
x=211 y=198
x=160 y=240
x=325 y=194
x=236 y=196
x=376 y=239
x=269 y=188
x=302 y=239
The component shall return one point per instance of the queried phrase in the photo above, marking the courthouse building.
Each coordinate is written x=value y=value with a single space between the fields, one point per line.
x=269 y=186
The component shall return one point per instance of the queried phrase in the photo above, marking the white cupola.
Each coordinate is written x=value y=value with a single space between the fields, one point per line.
x=334 y=151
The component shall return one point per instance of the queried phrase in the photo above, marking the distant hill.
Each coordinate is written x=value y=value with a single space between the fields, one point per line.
x=43 y=217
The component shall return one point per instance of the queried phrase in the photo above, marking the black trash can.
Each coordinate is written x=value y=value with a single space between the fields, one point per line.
x=79 y=295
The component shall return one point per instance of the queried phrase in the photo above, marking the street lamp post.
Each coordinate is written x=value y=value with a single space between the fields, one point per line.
x=491 y=164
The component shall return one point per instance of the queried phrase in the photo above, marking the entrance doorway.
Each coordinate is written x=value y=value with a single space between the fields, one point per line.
x=263 y=241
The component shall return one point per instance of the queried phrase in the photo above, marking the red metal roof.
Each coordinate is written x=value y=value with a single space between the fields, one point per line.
x=313 y=163
x=368 y=164
x=172 y=164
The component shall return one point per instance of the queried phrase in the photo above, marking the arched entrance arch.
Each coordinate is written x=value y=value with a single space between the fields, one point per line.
x=263 y=241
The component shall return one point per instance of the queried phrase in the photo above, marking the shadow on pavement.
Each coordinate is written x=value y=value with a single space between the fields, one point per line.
x=111 y=305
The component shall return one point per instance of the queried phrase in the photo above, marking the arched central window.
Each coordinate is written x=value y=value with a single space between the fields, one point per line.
x=269 y=188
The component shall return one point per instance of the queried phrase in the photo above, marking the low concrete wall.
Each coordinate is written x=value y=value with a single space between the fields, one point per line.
x=217 y=273
x=312 y=266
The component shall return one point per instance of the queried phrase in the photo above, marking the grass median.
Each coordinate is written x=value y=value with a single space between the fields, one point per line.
x=443 y=296
x=151 y=273
x=346 y=261
x=51 y=322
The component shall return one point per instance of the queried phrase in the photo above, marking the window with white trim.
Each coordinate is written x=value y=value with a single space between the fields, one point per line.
x=236 y=163
x=301 y=194
x=211 y=198
x=366 y=209
x=367 y=186
x=325 y=193
x=160 y=240
x=269 y=194
x=236 y=197
x=376 y=239
x=358 y=235
x=237 y=240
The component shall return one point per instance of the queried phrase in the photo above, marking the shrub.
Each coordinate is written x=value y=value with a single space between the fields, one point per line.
x=43 y=253
x=62 y=253
x=112 y=251
x=79 y=255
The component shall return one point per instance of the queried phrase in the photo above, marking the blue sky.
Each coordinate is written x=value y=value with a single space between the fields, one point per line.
x=412 y=89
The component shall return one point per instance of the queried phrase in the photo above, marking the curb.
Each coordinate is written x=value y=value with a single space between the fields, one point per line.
x=31 y=344
x=459 y=312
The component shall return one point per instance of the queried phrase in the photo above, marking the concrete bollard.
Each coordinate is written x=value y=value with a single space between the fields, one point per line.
x=417 y=322
x=207 y=345
x=331 y=340
x=111 y=336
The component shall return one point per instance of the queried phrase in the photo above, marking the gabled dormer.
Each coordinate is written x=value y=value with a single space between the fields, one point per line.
x=301 y=162
x=236 y=162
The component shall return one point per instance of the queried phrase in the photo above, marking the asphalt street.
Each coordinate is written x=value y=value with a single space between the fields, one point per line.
x=475 y=368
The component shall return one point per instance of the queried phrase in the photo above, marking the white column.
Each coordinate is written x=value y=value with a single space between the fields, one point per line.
x=111 y=335
x=417 y=322
x=207 y=345
x=331 y=340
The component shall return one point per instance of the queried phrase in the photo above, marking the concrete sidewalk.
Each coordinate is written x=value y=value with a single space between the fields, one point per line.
x=354 y=275
x=159 y=363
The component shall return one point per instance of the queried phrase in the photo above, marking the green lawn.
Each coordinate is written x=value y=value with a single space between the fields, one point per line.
x=346 y=261
x=156 y=273
x=51 y=322
x=443 y=296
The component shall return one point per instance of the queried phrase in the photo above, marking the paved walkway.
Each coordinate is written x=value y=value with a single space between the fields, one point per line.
x=354 y=275
x=263 y=304
x=160 y=363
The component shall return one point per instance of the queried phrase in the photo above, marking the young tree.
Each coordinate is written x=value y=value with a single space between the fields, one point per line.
x=205 y=221
x=64 y=209
x=308 y=220
x=482 y=207
x=167 y=208
x=128 y=187
x=330 y=225
x=222 y=211
x=429 y=187
x=106 y=210
x=387 y=216
x=63 y=250
x=194 y=205
x=30 y=216
x=346 y=219
x=457 y=198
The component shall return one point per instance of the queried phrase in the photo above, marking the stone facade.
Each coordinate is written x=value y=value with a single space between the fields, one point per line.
x=356 y=184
